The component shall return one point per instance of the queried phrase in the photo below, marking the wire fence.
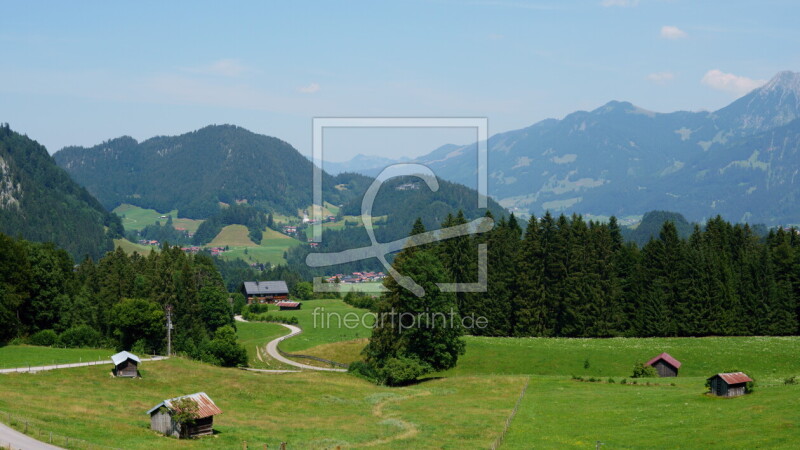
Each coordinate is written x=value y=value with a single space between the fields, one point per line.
x=499 y=441
x=30 y=428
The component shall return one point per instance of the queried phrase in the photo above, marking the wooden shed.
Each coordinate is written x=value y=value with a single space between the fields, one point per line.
x=665 y=365
x=126 y=364
x=285 y=306
x=729 y=384
x=162 y=417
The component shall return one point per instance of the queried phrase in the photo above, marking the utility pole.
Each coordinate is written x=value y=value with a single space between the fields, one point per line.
x=169 y=330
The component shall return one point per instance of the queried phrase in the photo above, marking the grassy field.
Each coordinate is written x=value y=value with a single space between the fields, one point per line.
x=766 y=358
x=306 y=410
x=273 y=246
x=131 y=247
x=136 y=218
x=559 y=413
x=12 y=356
x=233 y=236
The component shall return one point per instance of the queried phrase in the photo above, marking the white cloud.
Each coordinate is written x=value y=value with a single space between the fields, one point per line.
x=221 y=67
x=729 y=82
x=661 y=77
x=670 y=32
x=622 y=3
x=310 y=89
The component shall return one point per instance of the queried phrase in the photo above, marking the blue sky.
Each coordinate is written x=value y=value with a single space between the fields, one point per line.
x=78 y=73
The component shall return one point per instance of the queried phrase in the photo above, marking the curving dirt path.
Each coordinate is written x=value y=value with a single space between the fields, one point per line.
x=271 y=349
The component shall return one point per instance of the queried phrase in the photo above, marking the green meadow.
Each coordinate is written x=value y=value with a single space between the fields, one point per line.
x=136 y=218
x=465 y=407
x=12 y=356
x=306 y=410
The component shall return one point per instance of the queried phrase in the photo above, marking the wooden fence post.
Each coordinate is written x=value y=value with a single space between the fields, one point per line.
x=244 y=445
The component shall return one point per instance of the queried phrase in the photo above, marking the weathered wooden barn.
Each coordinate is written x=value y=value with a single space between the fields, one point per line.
x=285 y=306
x=729 y=384
x=126 y=364
x=162 y=417
x=265 y=291
x=665 y=365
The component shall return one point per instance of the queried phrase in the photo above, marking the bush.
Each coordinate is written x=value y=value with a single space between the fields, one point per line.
x=402 y=370
x=224 y=350
x=624 y=381
x=79 y=337
x=611 y=380
x=790 y=380
x=239 y=303
x=641 y=370
x=256 y=308
x=364 y=370
x=586 y=363
x=361 y=300
x=44 y=338
x=271 y=318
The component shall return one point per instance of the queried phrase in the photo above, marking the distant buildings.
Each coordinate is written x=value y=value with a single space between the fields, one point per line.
x=357 y=277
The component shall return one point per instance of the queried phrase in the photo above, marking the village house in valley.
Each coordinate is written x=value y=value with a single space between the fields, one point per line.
x=265 y=291
x=163 y=420
x=665 y=365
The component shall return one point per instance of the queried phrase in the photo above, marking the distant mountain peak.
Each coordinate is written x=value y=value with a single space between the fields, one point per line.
x=784 y=81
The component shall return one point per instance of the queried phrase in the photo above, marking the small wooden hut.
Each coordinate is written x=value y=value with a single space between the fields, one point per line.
x=162 y=417
x=126 y=364
x=665 y=365
x=285 y=306
x=729 y=384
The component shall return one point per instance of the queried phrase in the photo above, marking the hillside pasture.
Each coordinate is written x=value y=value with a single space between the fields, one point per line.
x=136 y=218
x=232 y=236
x=273 y=246
x=306 y=410
x=131 y=247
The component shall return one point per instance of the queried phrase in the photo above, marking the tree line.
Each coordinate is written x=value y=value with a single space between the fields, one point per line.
x=119 y=301
x=566 y=277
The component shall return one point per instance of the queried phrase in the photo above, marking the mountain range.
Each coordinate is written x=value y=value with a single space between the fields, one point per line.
x=741 y=161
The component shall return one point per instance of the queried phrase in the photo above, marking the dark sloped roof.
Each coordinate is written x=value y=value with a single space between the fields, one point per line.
x=265 y=287
x=667 y=358
x=205 y=406
x=734 y=377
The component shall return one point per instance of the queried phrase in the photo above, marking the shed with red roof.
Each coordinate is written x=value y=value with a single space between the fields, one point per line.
x=731 y=384
x=665 y=365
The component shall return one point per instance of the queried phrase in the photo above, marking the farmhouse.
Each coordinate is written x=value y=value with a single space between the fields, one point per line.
x=162 y=417
x=729 y=384
x=265 y=291
x=284 y=306
x=126 y=364
x=665 y=365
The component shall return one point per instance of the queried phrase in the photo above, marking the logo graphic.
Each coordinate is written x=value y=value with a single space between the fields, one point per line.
x=380 y=250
